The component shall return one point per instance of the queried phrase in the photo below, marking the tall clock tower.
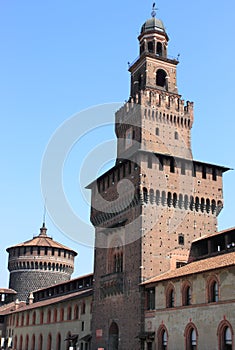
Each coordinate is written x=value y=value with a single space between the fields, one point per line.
x=148 y=208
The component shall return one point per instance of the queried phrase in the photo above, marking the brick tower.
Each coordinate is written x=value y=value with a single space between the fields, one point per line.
x=38 y=263
x=149 y=207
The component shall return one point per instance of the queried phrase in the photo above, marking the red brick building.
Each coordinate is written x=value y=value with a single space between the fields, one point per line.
x=154 y=202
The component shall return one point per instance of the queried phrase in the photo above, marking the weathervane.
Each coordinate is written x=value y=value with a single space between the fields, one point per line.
x=154 y=10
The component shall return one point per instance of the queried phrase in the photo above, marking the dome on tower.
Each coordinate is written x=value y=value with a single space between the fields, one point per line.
x=153 y=24
x=38 y=263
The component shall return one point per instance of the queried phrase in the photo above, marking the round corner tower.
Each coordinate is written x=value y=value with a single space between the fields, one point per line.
x=39 y=263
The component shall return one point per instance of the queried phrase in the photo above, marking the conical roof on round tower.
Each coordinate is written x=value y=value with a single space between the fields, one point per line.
x=42 y=240
x=38 y=263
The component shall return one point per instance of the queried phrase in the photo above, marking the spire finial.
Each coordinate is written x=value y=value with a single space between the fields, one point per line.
x=44 y=214
x=154 y=10
x=43 y=229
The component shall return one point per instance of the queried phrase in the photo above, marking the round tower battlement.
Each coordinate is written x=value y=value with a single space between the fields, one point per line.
x=38 y=263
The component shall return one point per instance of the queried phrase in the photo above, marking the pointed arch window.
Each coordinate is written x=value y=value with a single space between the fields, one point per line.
x=170 y=297
x=58 y=342
x=186 y=294
x=162 y=338
x=191 y=337
x=33 y=342
x=213 y=290
x=228 y=337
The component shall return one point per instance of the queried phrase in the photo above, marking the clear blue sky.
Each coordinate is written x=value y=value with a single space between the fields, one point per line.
x=60 y=57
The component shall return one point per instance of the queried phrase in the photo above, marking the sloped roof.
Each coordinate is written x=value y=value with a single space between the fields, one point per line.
x=231 y=229
x=7 y=291
x=42 y=240
x=46 y=302
x=195 y=267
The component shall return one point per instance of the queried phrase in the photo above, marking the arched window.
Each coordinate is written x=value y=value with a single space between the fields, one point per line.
x=27 y=319
x=34 y=318
x=208 y=205
x=150 y=46
x=191 y=337
x=163 y=198
x=40 y=342
x=162 y=336
x=62 y=314
x=76 y=314
x=33 y=342
x=15 y=342
x=55 y=315
x=49 y=341
x=69 y=313
x=68 y=340
x=186 y=294
x=191 y=205
x=26 y=342
x=41 y=317
x=159 y=49
x=145 y=195
x=225 y=336
x=175 y=200
x=197 y=204
x=113 y=336
x=161 y=78
x=21 y=343
x=186 y=202
x=213 y=290
x=170 y=297
x=49 y=316
x=151 y=196
x=157 y=197
x=202 y=205
x=213 y=206
x=180 y=201
x=58 y=342
x=169 y=199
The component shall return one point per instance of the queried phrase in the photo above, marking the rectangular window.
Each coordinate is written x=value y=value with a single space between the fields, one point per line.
x=204 y=172
x=151 y=299
x=172 y=166
x=180 y=264
x=214 y=174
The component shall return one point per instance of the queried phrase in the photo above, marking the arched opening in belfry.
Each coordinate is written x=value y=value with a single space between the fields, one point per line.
x=150 y=46
x=159 y=49
x=113 y=336
x=161 y=78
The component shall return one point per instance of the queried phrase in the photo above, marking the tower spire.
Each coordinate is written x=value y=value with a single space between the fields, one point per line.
x=43 y=229
x=154 y=10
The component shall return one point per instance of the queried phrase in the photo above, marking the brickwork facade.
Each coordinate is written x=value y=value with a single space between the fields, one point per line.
x=38 y=263
x=149 y=208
